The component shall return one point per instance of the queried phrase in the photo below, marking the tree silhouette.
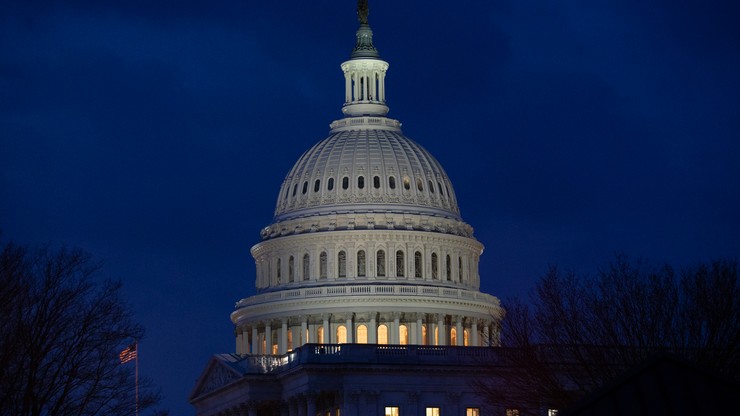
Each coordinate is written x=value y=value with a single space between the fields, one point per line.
x=60 y=334
x=580 y=331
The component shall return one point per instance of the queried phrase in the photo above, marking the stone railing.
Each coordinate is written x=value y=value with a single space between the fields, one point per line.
x=365 y=290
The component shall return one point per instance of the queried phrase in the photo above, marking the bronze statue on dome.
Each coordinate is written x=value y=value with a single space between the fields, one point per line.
x=363 y=10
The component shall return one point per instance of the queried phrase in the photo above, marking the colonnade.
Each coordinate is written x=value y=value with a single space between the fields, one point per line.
x=281 y=335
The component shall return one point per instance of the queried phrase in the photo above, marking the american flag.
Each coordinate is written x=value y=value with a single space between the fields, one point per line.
x=128 y=354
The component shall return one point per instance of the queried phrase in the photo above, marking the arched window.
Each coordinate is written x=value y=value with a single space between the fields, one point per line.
x=459 y=269
x=448 y=266
x=278 y=272
x=317 y=185
x=306 y=267
x=290 y=340
x=466 y=337
x=423 y=340
x=435 y=266
x=322 y=265
x=400 y=264
x=341 y=334
x=382 y=334
x=361 y=263
x=392 y=182
x=431 y=186
x=305 y=188
x=453 y=336
x=380 y=263
x=320 y=335
x=376 y=182
x=361 y=334
x=419 y=185
x=360 y=182
x=403 y=334
x=441 y=190
x=342 y=260
x=295 y=188
x=417 y=264
x=330 y=184
x=345 y=182
x=291 y=272
x=406 y=183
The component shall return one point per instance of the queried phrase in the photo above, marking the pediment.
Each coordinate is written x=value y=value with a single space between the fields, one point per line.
x=219 y=372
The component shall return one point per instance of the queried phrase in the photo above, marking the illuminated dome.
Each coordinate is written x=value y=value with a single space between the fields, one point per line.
x=368 y=167
x=367 y=244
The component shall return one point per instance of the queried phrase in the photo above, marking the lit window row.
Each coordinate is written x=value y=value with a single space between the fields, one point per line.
x=430 y=411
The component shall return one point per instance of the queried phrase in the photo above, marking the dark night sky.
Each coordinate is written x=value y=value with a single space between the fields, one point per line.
x=155 y=135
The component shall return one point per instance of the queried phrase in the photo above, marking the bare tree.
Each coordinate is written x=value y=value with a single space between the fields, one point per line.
x=579 y=332
x=60 y=334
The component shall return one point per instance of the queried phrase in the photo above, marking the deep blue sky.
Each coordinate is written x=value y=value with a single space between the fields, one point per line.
x=155 y=135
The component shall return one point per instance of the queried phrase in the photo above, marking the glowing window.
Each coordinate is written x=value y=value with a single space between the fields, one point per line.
x=423 y=340
x=400 y=266
x=512 y=412
x=360 y=182
x=406 y=183
x=376 y=182
x=306 y=267
x=392 y=411
x=472 y=411
x=435 y=266
x=322 y=265
x=453 y=336
x=305 y=188
x=382 y=334
x=432 y=411
x=341 y=334
x=290 y=340
x=380 y=263
x=317 y=185
x=278 y=271
x=419 y=185
x=459 y=269
x=330 y=184
x=345 y=182
x=361 y=334
x=403 y=334
x=392 y=182
x=342 y=260
x=361 y=263
x=466 y=337
x=320 y=335
x=417 y=264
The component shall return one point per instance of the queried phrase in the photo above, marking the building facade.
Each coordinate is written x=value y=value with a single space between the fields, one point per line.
x=367 y=279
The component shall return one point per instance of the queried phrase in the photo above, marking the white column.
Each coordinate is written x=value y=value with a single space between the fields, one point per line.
x=396 y=332
x=347 y=87
x=356 y=79
x=419 y=333
x=459 y=331
x=255 y=340
x=283 y=338
x=350 y=330
x=327 y=332
x=382 y=86
x=268 y=338
x=487 y=335
x=239 y=341
x=304 y=328
x=474 y=341
x=441 y=330
x=372 y=331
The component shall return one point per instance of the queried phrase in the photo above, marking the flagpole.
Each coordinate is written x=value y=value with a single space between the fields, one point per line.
x=137 y=378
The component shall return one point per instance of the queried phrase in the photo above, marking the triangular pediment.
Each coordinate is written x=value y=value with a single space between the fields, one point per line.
x=221 y=371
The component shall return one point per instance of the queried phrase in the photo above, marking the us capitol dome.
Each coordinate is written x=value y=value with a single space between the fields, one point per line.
x=367 y=245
